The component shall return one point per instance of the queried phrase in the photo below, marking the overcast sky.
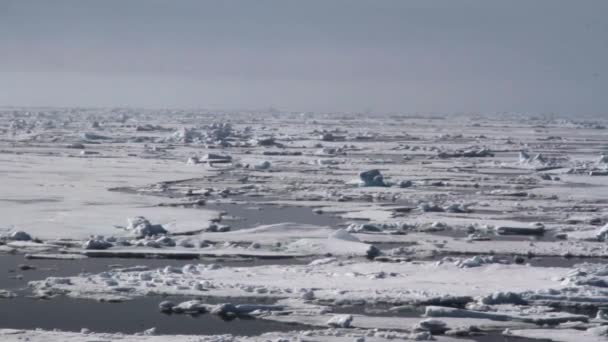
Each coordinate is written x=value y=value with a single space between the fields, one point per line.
x=536 y=56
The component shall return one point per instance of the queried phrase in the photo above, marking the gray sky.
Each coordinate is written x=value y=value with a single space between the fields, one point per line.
x=321 y=55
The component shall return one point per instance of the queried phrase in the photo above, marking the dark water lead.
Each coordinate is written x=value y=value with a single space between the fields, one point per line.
x=130 y=317
x=499 y=337
x=252 y=215
x=69 y=314
x=559 y=261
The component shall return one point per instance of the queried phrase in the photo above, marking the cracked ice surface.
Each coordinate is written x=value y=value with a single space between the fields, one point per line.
x=334 y=281
x=476 y=195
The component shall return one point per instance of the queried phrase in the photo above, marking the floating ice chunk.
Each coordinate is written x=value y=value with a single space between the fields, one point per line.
x=246 y=309
x=537 y=159
x=340 y=321
x=166 y=306
x=19 y=235
x=433 y=326
x=220 y=131
x=171 y=270
x=192 y=161
x=524 y=157
x=475 y=261
x=185 y=135
x=457 y=208
x=148 y=243
x=7 y=294
x=503 y=298
x=191 y=306
x=327 y=137
x=325 y=162
x=362 y=228
x=540 y=160
x=264 y=165
x=308 y=295
x=149 y=128
x=187 y=243
x=223 y=309
x=189 y=269
x=140 y=227
x=136 y=221
x=149 y=332
x=212 y=228
x=342 y=234
x=406 y=184
x=50 y=281
x=470 y=153
x=483 y=152
x=264 y=141
x=213 y=267
x=421 y=336
x=165 y=241
x=372 y=178
x=602 y=233
x=92 y=136
x=97 y=243
x=329 y=151
x=430 y=207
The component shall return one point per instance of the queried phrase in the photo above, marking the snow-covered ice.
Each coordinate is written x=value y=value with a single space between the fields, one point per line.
x=446 y=215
